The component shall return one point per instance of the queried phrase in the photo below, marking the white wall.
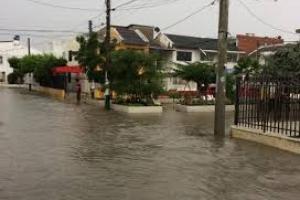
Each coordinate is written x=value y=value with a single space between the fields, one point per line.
x=12 y=49
x=61 y=48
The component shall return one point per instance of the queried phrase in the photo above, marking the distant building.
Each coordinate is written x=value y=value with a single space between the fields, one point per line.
x=8 y=49
x=127 y=37
x=174 y=50
x=249 y=42
x=187 y=49
x=65 y=48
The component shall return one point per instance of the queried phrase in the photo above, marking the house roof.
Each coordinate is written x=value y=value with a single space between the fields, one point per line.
x=189 y=42
x=130 y=36
x=270 y=48
x=250 y=43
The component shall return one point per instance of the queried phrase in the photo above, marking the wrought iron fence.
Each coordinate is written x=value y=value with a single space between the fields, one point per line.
x=271 y=104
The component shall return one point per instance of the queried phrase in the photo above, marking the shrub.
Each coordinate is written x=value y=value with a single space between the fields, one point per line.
x=15 y=78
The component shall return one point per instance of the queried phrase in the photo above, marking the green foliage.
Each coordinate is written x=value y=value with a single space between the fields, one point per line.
x=230 y=87
x=30 y=62
x=135 y=74
x=91 y=54
x=247 y=66
x=43 y=65
x=14 y=63
x=39 y=65
x=201 y=73
x=15 y=78
x=285 y=61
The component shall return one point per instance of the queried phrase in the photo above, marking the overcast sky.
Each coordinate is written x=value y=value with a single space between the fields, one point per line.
x=279 y=17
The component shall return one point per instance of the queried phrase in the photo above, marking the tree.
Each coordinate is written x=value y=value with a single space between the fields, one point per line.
x=201 y=73
x=285 y=61
x=135 y=74
x=91 y=55
x=14 y=63
x=247 y=66
x=16 y=76
x=42 y=67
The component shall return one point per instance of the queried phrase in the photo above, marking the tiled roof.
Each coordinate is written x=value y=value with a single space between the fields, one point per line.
x=196 y=42
x=130 y=36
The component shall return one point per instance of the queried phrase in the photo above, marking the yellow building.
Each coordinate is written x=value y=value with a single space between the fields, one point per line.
x=131 y=37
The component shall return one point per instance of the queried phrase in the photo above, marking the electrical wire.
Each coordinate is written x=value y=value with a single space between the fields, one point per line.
x=145 y=5
x=124 y=4
x=39 y=30
x=262 y=21
x=63 y=7
x=190 y=15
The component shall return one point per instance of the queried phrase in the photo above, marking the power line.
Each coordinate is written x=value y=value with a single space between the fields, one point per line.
x=190 y=15
x=262 y=21
x=124 y=4
x=63 y=7
x=39 y=30
x=144 y=6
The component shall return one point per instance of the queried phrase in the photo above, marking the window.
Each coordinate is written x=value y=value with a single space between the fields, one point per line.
x=184 y=56
x=1 y=60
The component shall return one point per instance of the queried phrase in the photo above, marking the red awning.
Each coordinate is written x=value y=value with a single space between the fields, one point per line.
x=68 y=69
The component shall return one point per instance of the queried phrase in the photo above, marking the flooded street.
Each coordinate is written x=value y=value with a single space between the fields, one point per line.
x=50 y=150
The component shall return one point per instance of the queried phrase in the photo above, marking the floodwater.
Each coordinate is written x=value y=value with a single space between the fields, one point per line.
x=51 y=150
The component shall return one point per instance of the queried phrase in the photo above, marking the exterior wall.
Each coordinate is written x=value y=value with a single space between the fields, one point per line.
x=8 y=50
x=55 y=93
x=137 y=109
x=202 y=108
x=249 y=43
x=175 y=83
x=270 y=139
x=122 y=45
x=61 y=48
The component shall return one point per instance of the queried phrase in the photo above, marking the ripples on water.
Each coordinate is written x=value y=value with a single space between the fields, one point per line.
x=52 y=150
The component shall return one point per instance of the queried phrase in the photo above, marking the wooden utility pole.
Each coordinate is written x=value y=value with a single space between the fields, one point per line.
x=108 y=56
x=90 y=26
x=222 y=54
x=29 y=46
x=29 y=53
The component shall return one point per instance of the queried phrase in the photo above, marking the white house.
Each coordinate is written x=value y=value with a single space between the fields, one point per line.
x=8 y=49
x=178 y=49
x=65 y=48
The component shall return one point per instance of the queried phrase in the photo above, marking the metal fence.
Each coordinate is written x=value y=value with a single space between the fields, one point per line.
x=271 y=104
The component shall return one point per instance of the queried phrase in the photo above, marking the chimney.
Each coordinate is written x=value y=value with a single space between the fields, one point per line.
x=16 y=40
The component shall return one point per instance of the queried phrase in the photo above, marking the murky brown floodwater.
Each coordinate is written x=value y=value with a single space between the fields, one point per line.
x=56 y=151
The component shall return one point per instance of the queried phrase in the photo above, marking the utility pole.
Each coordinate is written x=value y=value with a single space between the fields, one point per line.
x=222 y=54
x=29 y=53
x=90 y=26
x=108 y=56
x=29 y=46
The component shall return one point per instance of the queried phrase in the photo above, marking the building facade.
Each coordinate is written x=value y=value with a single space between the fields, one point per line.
x=8 y=49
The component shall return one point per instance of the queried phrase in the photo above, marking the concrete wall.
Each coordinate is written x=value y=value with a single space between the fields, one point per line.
x=270 y=139
x=137 y=109
x=203 y=108
x=56 y=93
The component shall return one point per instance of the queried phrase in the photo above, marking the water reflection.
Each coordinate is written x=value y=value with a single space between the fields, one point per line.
x=52 y=150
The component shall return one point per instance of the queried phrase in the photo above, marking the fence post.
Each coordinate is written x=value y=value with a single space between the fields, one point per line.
x=237 y=101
